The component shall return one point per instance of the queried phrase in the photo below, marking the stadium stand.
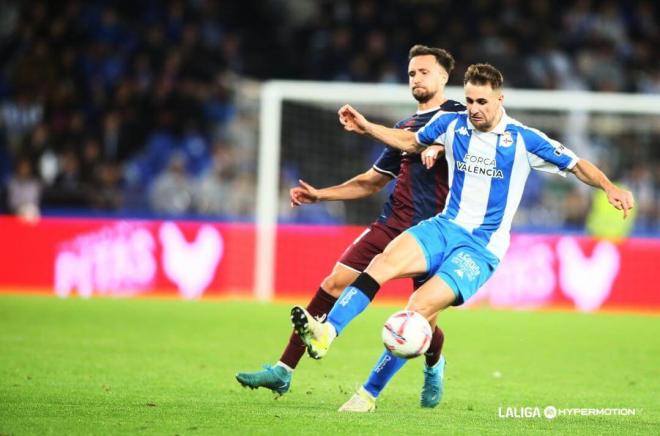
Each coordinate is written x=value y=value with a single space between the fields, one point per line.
x=99 y=98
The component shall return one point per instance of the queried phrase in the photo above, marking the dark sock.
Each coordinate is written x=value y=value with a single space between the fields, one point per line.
x=319 y=305
x=435 y=348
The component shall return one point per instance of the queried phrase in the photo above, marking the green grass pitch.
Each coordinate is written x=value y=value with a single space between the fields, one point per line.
x=150 y=366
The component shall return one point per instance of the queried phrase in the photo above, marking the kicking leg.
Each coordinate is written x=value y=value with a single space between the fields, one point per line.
x=278 y=377
x=331 y=288
x=403 y=257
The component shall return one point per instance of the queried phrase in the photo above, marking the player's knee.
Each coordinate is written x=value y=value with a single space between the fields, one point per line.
x=429 y=305
x=423 y=306
x=383 y=268
x=333 y=286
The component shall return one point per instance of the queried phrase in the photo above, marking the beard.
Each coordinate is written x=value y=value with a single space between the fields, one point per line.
x=422 y=95
x=482 y=126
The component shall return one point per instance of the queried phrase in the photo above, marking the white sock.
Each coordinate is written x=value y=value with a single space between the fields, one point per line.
x=285 y=366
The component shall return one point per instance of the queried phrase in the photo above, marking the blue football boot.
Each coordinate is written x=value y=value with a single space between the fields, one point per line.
x=433 y=384
x=275 y=378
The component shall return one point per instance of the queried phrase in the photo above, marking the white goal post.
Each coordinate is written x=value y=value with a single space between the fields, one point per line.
x=334 y=94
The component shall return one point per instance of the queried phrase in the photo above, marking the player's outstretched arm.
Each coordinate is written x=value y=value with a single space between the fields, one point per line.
x=354 y=121
x=360 y=186
x=591 y=175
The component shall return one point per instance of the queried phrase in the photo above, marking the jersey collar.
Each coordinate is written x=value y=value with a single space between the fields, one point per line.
x=426 y=111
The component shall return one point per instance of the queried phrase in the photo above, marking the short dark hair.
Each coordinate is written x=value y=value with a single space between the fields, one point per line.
x=444 y=58
x=484 y=74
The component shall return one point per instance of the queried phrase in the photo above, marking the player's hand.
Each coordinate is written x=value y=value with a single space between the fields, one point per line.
x=304 y=193
x=352 y=120
x=620 y=199
x=430 y=155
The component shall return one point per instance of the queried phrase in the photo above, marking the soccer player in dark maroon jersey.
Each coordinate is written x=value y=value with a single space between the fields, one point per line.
x=419 y=193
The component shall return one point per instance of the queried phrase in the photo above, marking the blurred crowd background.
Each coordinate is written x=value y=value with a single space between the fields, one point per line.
x=148 y=108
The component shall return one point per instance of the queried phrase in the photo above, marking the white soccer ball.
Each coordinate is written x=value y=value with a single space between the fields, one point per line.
x=407 y=334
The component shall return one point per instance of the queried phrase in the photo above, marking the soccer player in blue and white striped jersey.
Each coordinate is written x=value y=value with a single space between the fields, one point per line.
x=489 y=156
x=419 y=192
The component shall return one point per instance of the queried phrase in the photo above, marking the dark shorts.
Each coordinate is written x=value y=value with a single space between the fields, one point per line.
x=370 y=243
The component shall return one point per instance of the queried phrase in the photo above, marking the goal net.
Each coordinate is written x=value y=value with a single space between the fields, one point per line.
x=300 y=138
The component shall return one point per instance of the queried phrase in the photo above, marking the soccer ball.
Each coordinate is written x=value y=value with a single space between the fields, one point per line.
x=407 y=334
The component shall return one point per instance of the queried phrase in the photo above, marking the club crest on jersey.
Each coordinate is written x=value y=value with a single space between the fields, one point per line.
x=506 y=140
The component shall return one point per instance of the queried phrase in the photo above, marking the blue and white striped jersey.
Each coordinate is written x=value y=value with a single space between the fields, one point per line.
x=488 y=171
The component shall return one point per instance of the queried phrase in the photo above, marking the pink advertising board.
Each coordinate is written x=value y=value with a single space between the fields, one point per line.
x=92 y=257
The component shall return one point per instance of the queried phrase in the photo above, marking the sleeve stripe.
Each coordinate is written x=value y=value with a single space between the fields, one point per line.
x=437 y=126
x=572 y=163
x=423 y=144
x=382 y=171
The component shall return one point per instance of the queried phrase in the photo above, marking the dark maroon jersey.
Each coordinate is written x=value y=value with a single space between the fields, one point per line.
x=418 y=193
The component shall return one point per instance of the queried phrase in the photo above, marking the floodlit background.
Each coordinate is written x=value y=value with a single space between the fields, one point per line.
x=145 y=108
